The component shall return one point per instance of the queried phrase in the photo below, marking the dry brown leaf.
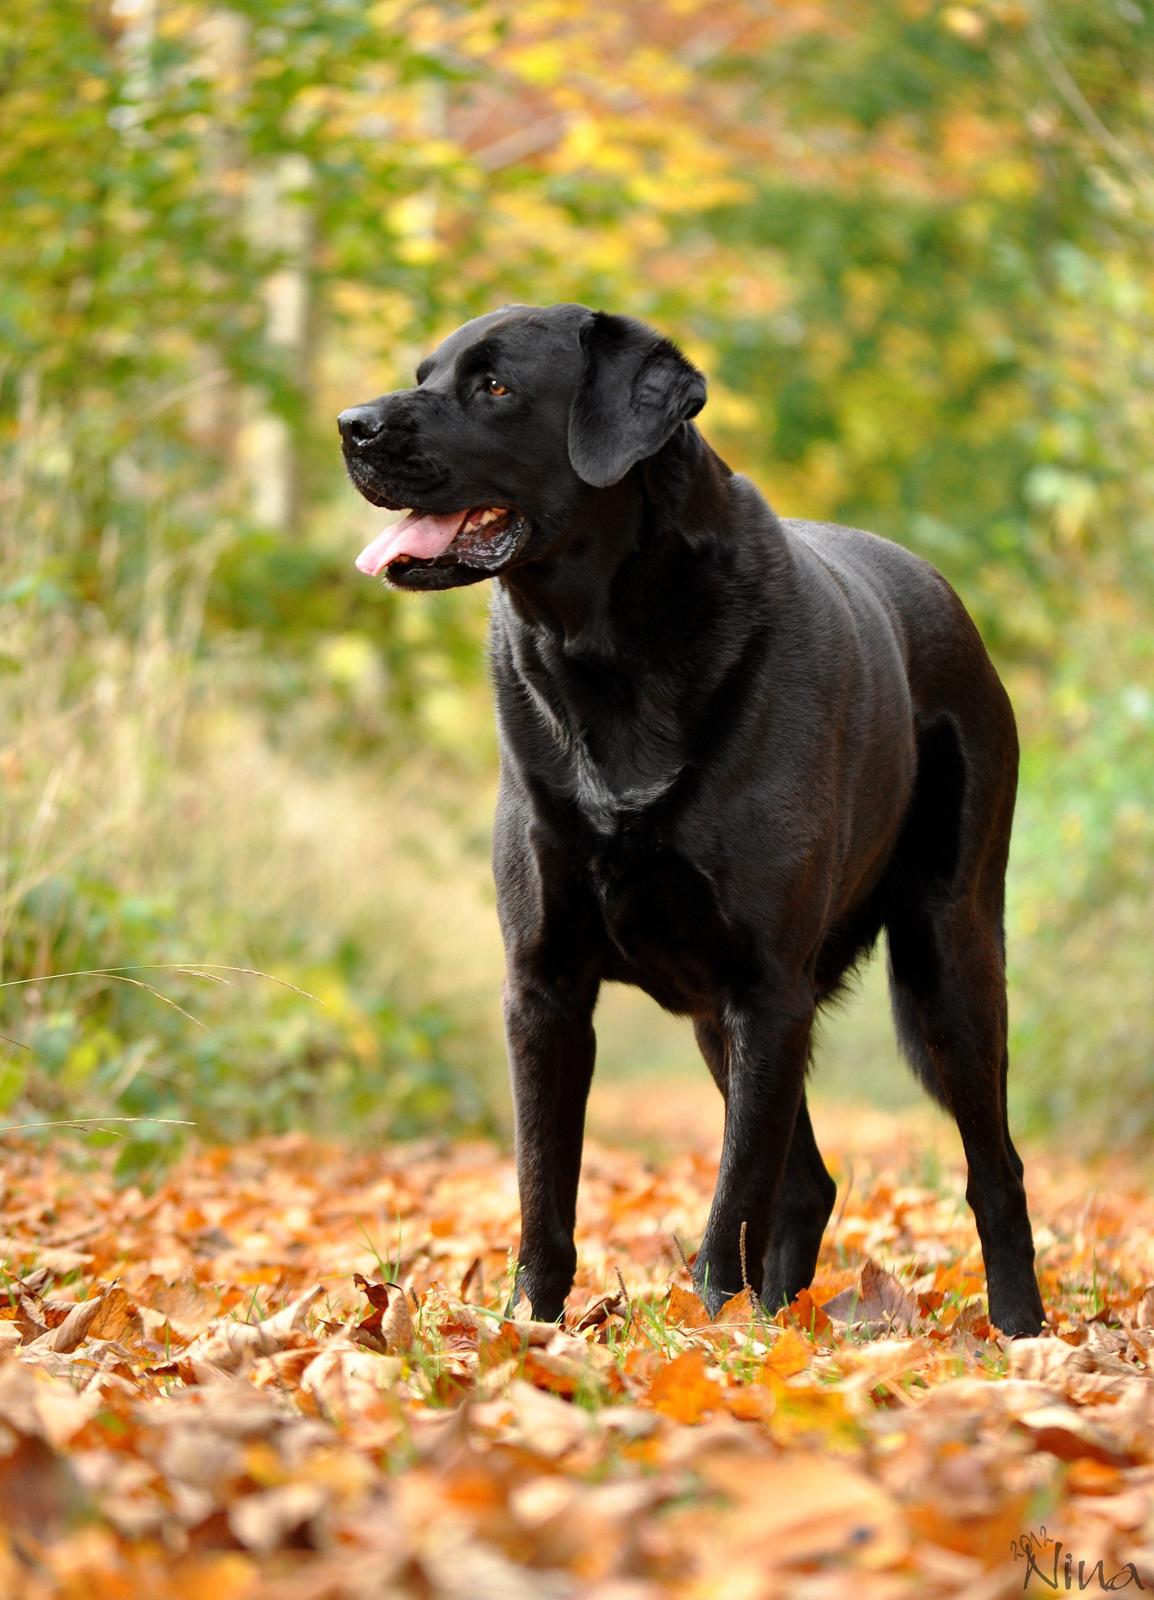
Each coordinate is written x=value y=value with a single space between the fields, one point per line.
x=1070 y=1434
x=536 y=1419
x=185 y=1308
x=37 y=1406
x=898 y=1304
x=877 y=1300
x=117 y=1317
x=262 y=1521
x=228 y=1345
x=390 y=1325
x=350 y=1381
x=73 y=1330
x=1044 y=1359
x=599 y=1311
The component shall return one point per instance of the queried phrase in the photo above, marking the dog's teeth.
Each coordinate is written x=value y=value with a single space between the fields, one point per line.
x=484 y=518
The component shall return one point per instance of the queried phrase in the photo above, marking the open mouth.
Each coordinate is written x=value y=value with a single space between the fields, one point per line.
x=483 y=538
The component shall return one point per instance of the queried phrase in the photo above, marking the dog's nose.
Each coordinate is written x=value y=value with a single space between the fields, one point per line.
x=360 y=425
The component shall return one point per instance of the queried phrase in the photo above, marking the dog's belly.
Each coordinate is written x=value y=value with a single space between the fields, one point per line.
x=666 y=934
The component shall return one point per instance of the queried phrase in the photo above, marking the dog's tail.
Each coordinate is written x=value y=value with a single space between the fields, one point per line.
x=920 y=881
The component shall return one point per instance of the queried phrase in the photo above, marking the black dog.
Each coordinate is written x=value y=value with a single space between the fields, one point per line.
x=732 y=750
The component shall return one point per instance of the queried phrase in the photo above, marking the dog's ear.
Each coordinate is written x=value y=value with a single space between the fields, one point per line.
x=635 y=390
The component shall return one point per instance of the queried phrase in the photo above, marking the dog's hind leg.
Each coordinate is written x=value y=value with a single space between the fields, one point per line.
x=766 y=1048
x=948 y=986
x=804 y=1201
x=804 y=1205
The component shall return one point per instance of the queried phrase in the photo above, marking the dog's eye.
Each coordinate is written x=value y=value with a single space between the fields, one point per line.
x=495 y=386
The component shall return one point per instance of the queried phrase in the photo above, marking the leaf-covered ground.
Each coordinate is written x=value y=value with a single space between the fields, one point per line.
x=211 y=1391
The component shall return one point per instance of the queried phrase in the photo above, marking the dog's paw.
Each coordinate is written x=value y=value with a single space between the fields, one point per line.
x=1018 y=1315
x=542 y=1298
x=713 y=1299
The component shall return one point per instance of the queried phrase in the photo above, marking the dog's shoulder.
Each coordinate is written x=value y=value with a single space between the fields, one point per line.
x=921 y=610
x=905 y=583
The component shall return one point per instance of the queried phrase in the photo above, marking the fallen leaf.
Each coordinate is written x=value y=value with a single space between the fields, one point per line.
x=802 y=1512
x=600 y=1311
x=73 y=1330
x=263 y=1521
x=1068 y=1434
x=390 y=1324
x=740 y=1310
x=228 y=1345
x=681 y=1389
x=878 y=1299
x=788 y=1355
x=683 y=1309
x=806 y=1314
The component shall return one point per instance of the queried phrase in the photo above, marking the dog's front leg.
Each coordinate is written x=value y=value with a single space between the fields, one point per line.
x=549 y=1026
x=767 y=1049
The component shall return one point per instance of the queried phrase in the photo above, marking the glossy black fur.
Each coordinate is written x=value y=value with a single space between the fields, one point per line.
x=733 y=750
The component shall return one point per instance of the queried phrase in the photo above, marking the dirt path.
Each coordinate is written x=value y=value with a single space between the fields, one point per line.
x=200 y=1400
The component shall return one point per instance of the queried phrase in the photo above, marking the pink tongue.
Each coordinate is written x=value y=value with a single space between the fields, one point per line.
x=424 y=538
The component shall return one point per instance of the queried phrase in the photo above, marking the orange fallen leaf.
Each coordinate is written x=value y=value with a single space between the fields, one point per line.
x=813 y=1413
x=789 y=1354
x=1088 y=1475
x=683 y=1390
x=683 y=1309
x=806 y=1314
x=805 y=1511
x=740 y=1310
x=1069 y=1434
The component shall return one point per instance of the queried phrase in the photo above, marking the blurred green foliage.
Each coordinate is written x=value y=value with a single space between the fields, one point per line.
x=910 y=245
x=136 y=1039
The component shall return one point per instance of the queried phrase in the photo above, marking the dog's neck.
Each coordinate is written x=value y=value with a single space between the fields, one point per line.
x=623 y=548
x=612 y=660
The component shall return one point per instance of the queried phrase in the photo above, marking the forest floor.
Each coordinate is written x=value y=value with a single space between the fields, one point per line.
x=210 y=1390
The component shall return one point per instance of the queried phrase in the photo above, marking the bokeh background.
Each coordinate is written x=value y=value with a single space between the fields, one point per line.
x=911 y=245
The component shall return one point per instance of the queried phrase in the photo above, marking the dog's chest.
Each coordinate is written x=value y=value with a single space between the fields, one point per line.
x=612 y=767
x=610 y=794
x=614 y=750
x=662 y=919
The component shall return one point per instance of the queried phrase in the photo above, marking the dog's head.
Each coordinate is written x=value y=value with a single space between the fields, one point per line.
x=515 y=422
